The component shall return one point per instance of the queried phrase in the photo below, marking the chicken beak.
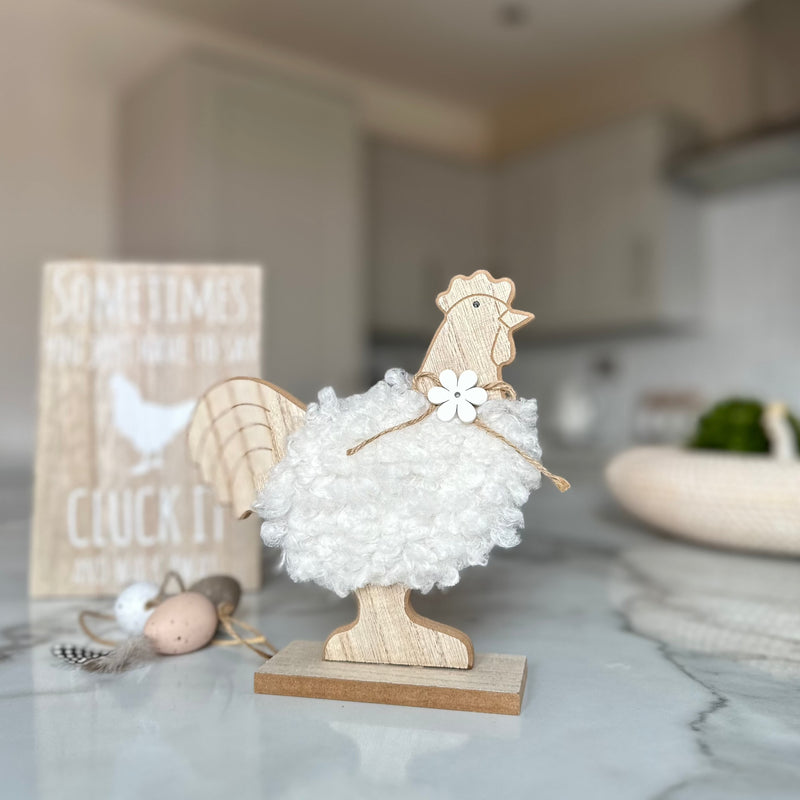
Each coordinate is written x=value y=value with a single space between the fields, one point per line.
x=514 y=319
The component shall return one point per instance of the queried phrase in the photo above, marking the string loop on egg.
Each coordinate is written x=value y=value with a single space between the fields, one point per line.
x=162 y=591
x=229 y=622
x=87 y=630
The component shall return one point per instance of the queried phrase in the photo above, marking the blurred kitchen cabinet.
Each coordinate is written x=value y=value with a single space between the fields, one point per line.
x=429 y=220
x=225 y=162
x=525 y=214
x=594 y=236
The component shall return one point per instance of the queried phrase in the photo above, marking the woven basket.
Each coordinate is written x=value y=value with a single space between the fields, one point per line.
x=749 y=502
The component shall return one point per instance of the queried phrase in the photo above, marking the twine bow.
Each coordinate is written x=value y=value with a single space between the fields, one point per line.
x=562 y=484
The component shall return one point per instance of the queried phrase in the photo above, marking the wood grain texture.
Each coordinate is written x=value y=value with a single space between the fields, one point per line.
x=389 y=631
x=478 y=327
x=495 y=685
x=126 y=350
x=238 y=433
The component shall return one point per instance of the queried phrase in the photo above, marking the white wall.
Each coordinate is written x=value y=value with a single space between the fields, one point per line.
x=63 y=67
x=748 y=344
x=64 y=64
x=750 y=340
x=429 y=219
x=56 y=192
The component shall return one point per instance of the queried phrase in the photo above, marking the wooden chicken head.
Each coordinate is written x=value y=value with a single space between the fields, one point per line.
x=477 y=332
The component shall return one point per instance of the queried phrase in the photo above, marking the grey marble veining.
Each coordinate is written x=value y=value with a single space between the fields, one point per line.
x=657 y=670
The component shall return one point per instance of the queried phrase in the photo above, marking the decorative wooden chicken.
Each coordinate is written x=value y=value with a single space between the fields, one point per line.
x=394 y=490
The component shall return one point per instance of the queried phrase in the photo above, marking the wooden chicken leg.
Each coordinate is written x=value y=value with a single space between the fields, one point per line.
x=389 y=631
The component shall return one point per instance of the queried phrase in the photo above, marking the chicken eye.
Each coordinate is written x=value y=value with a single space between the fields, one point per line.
x=476 y=303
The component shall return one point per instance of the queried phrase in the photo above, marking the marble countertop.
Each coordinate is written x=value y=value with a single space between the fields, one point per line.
x=656 y=670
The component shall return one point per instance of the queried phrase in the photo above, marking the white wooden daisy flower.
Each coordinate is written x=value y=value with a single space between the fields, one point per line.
x=457 y=395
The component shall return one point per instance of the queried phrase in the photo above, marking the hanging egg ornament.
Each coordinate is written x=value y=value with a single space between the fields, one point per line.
x=132 y=609
x=182 y=624
x=221 y=590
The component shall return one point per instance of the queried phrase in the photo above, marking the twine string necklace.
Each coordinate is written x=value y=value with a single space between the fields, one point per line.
x=562 y=484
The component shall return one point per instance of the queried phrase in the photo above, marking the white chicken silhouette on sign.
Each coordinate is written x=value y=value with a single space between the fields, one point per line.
x=148 y=426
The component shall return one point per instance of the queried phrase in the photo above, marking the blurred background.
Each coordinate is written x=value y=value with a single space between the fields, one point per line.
x=634 y=165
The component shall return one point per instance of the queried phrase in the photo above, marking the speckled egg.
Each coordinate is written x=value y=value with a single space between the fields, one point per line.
x=130 y=608
x=182 y=624
x=220 y=590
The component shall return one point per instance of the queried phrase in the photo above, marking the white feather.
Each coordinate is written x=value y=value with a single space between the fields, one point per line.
x=131 y=654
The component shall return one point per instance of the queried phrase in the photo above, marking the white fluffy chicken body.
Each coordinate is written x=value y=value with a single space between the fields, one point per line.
x=413 y=507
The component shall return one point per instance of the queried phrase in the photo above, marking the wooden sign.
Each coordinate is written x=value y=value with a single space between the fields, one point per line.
x=126 y=351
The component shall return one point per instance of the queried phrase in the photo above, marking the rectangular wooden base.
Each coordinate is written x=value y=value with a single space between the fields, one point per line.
x=494 y=685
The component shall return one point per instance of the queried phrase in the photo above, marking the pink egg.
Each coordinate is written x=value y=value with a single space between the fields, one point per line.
x=182 y=624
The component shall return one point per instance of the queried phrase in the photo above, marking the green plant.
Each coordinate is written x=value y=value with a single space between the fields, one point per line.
x=735 y=424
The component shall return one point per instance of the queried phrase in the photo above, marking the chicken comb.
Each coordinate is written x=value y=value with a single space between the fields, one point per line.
x=238 y=433
x=480 y=282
